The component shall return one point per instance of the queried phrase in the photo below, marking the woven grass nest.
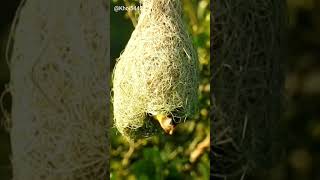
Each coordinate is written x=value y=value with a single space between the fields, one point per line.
x=157 y=73
x=247 y=85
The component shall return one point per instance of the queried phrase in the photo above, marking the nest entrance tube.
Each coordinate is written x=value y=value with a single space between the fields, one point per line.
x=157 y=73
x=58 y=83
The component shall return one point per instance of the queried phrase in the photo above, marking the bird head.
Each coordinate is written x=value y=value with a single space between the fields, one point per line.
x=166 y=122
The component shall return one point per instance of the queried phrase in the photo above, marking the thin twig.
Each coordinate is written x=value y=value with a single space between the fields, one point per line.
x=127 y=156
x=200 y=149
x=130 y=13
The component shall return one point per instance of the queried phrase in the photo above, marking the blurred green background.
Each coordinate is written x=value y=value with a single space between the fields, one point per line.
x=163 y=156
x=302 y=84
x=168 y=157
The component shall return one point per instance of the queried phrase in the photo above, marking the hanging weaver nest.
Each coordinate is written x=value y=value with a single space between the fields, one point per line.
x=157 y=73
x=247 y=85
x=58 y=83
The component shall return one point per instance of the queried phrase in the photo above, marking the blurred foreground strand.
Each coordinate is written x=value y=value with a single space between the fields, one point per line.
x=247 y=55
x=58 y=87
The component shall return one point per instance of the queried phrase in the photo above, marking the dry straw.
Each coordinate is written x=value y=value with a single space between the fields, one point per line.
x=58 y=85
x=157 y=72
x=247 y=83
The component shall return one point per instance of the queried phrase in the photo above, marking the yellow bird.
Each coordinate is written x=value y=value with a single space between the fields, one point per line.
x=166 y=122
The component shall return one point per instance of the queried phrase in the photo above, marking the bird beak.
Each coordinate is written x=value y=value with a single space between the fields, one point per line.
x=171 y=131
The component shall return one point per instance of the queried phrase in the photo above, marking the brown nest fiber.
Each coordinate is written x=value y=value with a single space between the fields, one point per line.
x=247 y=82
x=157 y=73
